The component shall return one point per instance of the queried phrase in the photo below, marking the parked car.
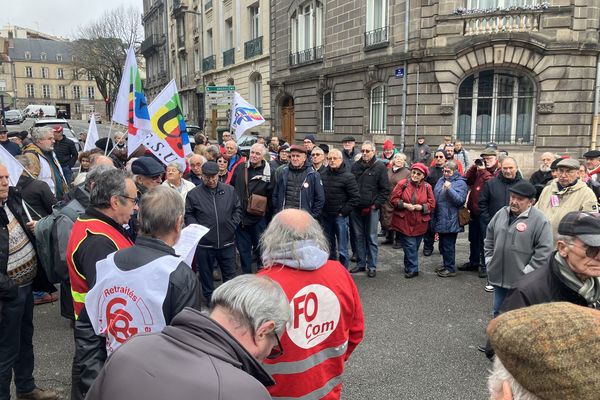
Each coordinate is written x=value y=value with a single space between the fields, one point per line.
x=13 y=117
x=39 y=110
x=67 y=130
x=95 y=115
x=245 y=142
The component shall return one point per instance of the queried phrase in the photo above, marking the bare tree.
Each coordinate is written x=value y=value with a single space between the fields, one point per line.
x=101 y=47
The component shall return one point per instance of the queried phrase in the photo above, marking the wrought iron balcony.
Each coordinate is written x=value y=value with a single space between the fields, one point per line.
x=150 y=44
x=378 y=37
x=306 y=56
x=253 y=47
x=229 y=57
x=178 y=7
x=209 y=63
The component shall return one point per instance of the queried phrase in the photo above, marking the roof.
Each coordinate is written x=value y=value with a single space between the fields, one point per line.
x=36 y=47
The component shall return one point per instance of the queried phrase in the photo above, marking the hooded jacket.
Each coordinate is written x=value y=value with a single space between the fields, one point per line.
x=193 y=358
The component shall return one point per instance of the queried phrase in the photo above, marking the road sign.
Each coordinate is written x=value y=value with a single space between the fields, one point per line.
x=210 y=89
x=219 y=97
x=399 y=73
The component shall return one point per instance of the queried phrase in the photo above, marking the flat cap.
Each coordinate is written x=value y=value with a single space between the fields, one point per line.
x=298 y=148
x=324 y=147
x=571 y=163
x=584 y=225
x=592 y=154
x=488 y=151
x=147 y=166
x=348 y=139
x=210 y=168
x=554 y=164
x=523 y=188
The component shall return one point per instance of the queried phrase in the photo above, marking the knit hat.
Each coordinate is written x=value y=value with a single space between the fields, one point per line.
x=311 y=137
x=388 y=145
x=551 y=349
x=421 y=167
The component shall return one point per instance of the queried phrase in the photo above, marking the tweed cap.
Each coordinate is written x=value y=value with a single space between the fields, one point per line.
x=570 y=163
x=583 y=225
x=488 y=151
x=297 y=148
x=348 y=139
x=551 y=349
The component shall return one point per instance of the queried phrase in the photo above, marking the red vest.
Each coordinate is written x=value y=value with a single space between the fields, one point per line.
x=81 y=229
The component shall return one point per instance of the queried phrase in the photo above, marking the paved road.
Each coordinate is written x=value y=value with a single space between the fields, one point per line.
x=420 y=341
x=77 y=125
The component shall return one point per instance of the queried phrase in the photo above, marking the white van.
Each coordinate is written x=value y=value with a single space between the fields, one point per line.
x=33 y=110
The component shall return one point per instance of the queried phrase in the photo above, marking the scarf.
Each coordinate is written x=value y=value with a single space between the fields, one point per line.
x=588 y=289
x=304 y=254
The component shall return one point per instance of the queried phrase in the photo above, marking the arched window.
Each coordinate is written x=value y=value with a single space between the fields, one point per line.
x=256 y=91
x=306 y=36
x=328 y=111
x=495 y=106
x=378 y=109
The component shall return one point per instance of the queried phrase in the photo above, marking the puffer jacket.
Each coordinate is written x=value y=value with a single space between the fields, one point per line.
x=476 y=180
x=448 y=202
x=341 y=191
x=312 y=196
x=495 y=195
x=373 y=184
x=412 y=223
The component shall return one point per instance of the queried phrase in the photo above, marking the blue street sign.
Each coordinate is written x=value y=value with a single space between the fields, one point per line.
x=399 y=73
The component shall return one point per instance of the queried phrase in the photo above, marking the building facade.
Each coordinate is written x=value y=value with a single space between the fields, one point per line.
x=155 y=47
x=521 y=73
x=43 y=73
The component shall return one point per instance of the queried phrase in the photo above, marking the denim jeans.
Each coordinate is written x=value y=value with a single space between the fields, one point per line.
x=476 y=235
x=205 y=258
x=499 y=295
x=365 y=229
x=16 y=343
x=411 y=244
x=352 y=235
x=448 y=250
x=68 y=173
x=247 y=239
x=336 y=229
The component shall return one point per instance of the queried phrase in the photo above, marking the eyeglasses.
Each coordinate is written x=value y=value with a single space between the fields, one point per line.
x=416 y=172
x=366 y=151
x=590 y=251
x=561 y=171
x=333 y=158
x=448 y=171
x=316 y=155
x=276 y=351
x=440 y=157
x=135 y=200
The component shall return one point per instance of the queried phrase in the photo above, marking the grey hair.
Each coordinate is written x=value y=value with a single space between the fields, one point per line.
x=24 y=161
x=369 y=143
x=262 y=148
x=253 y=300
x=38 y=133
x=510 y=158
x=233 y=141
x=498 y=375
x=94 y=172
x=95 y=158
x=202 y=158
x=108 y=184
x=336 y=151
x=399 y=155
x=213 y=150
x=176 y=165
x=564 y=238
x=280 y=236
x=156 y=220
x=451 y=164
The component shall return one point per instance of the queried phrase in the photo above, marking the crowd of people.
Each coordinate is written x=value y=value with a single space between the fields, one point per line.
x=303 y=218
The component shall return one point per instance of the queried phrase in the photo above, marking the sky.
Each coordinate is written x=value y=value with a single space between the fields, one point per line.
x=57 y=17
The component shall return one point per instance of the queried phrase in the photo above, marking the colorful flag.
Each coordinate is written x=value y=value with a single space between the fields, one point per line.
x=92 y=135
x=131 y=107
x=243 y=116
x=15 y=169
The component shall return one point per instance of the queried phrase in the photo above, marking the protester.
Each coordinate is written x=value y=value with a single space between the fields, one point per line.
x=233 y=157
x=349 y=152
x=396 y=172
x=18 y=269
x=449 y=149
x=252 y=179
x=96 y=234
x=309 y=143
x=318 y=159
x=151 y=272
x=282 y=157
x=216 y=206
x=450 y=194
x=11 y=147
x=388 y=153
x=341 y=196
x=222 y=164
x=374 y=189
x=547 y=351
x=175 y=180
x=214 y=357
x=195 y=175
x=84 y=167
x=592 y=164
x=447 y=141
x=421 y=151
x=414 y=204
x=225 y=137
x=436 y=172
x=148 y=173
x=66 y=152
x=565 y=194
x=298 y=185
x=543 y=175
x=461 y=155
x=319 y=291
x=94 y=161
x=518 y=241
x=37 y=195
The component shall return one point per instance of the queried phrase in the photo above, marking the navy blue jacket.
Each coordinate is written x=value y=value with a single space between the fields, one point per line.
x=447 y=204
x=312 y=195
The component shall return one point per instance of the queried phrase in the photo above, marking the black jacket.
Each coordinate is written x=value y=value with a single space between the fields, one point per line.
x=540 y=179
x=37 y=195
x=435 y=173
x=218 y=209
x=349 y=158
x=341 y=191
x=495 y=195
x=11 y=147
x=373 y=184
x=257 y=184
x=66 y=152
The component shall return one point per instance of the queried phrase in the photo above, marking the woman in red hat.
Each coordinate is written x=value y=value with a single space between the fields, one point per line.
x=413 y=203
x=389 y=151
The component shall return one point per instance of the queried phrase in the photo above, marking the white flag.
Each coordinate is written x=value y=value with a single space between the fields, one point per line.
x=243 y=116
x=92 y=135
x=15 y=169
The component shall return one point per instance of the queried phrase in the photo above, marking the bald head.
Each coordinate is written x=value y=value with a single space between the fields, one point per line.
x=297 y=220
x=99 y=159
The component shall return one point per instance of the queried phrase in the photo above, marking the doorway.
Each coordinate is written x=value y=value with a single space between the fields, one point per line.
x=288 y=123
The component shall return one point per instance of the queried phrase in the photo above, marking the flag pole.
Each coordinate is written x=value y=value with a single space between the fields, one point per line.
x=109 y=135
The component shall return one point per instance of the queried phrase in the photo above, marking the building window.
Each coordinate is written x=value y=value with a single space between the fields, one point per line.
x=29 y=72
x=493 y=4
x=91 y=92
x=254 y=21
x=90 y=77
x=183 y=72
x=62 y=92
x=77 y=108
x=378 y=116
x=209 y=43
x=75 y=75
x=30 y=90
x=27 y=55
x=307 y=32
x=496 y=106
x=377 y=25
x=45 y=72
x=46 y=91
x=43 y=56
x=256 y=91
x=228 y=34
x=2 y=85
x=76 y=92
x=60 y=73
x=328 y=111
x=59 y=57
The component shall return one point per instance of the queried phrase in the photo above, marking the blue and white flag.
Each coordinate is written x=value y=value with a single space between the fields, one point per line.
x=243 y=116
x=15 y=169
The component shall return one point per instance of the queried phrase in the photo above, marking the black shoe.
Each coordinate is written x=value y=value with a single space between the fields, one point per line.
x=397 y=246
x=409 y=275
x=468 y=267
x=353 y=258
x=371 y=273
x=427 y=252
x=440 y=269
x=357 y=269
x=387 y=241
x=382 y=234
x=482 y=272
x=445 y=273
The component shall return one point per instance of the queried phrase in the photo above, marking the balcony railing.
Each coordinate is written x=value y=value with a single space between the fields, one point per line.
x=229 y=57
x=253 y=47
x=377 y=37
x=490 y=23
x=306 y=56
x=209 y=63
x=150 y=44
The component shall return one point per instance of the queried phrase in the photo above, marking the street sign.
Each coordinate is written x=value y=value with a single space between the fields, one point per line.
x=399 y=73
x=219 y=97
x=220 y=89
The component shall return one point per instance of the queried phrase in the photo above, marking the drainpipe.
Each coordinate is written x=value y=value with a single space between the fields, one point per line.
x=417 y=104
x=596 y=101
x=404 y=78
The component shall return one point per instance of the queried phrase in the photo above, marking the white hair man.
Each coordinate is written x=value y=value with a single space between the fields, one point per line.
x=327 y=316
x=175 y=180
x=214 y=356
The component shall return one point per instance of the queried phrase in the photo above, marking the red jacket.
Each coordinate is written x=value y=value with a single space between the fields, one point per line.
x=412 y=223
x=476 y=179
x=327 y=324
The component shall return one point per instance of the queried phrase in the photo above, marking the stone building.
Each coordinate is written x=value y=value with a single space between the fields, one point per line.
x=155 y=47
x=521 y=73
